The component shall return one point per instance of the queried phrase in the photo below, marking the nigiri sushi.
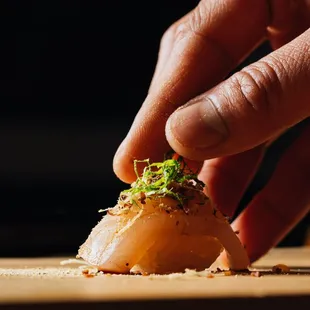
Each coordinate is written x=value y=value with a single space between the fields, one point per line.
x=164 y=223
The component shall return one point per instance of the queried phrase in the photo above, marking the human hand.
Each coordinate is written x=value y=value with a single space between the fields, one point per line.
x=224 y=126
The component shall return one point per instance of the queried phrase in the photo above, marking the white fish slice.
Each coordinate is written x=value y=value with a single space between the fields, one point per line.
x=154 y=235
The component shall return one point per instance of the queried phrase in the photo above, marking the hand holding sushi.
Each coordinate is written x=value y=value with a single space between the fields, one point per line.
x=222 y=126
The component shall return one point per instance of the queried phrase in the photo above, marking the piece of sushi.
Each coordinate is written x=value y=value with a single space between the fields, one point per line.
x=163 y=224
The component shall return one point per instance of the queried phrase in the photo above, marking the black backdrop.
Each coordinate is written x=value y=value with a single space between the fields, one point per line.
x=73 y=74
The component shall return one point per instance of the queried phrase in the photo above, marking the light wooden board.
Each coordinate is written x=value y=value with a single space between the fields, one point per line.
x=45 y=280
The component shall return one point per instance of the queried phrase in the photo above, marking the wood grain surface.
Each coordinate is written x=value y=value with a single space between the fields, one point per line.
x=45 y=282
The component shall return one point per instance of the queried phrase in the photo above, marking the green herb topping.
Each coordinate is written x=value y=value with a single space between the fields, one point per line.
x=167 y=178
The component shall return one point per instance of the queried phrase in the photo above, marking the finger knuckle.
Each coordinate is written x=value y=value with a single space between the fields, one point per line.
x=196 y=28
x=260 y=88
x=195 y=22
x=168 y=34
x=200 y=17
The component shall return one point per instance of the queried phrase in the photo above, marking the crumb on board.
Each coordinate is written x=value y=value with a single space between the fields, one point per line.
x=256 y=274
x=280 y=268
x=229 y=273
x=80 y=268
x=50 y=272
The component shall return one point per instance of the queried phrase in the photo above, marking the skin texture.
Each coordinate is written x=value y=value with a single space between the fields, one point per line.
x=223 y=126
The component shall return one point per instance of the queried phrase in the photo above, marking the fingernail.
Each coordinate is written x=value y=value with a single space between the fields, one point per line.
x=198 y=125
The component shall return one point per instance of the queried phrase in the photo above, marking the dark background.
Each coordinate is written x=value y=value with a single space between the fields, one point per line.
x=73 y=74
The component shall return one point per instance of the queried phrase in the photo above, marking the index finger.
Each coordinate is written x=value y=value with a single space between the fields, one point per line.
x=214 y=38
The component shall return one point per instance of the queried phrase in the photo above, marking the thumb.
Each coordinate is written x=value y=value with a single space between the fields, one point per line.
x=248 y=108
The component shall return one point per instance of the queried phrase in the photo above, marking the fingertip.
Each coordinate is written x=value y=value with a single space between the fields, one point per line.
x=123 y=165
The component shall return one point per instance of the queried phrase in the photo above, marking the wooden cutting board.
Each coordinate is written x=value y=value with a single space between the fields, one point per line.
x=34 y=283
